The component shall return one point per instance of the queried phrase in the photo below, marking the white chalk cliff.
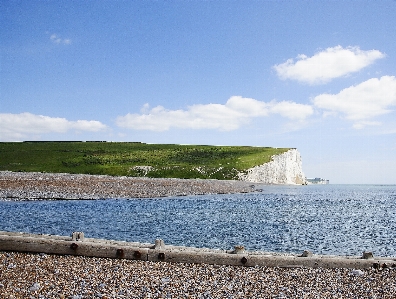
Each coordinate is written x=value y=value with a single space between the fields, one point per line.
x=285 y=168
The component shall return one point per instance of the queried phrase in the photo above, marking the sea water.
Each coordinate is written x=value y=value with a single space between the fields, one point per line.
x=325 y=219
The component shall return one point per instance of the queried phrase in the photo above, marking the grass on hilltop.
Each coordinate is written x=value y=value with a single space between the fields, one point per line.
x=130 y=159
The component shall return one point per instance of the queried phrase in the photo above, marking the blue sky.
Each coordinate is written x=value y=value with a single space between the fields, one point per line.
x=319 y=76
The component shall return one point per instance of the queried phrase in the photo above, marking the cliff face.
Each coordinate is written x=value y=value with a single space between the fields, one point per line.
x=283 y=169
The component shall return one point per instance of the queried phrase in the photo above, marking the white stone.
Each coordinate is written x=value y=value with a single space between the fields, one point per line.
x=357 y=272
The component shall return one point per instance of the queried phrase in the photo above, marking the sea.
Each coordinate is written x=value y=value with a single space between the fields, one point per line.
x=324 y=219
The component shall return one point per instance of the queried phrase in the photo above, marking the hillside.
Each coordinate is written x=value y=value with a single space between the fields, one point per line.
x=134 y=159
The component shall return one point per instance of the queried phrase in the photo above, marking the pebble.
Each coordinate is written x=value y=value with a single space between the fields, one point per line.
x=114 y=278
x=35 y=287
x=357 y=272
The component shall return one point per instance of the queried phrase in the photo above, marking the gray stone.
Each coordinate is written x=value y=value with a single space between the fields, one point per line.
x=35 y=287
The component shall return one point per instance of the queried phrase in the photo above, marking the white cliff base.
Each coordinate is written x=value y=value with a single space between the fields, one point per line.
x=285 y=168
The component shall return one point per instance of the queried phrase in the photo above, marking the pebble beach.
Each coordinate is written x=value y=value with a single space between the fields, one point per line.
x=50 y=276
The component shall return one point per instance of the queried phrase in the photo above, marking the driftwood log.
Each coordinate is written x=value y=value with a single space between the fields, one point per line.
x=77 y=244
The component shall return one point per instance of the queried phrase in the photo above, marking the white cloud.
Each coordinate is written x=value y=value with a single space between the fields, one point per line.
x=326 y=65
x=236 y=112
x=58 y=40
x=17 y=127
x=291 y=110
x=362 y=102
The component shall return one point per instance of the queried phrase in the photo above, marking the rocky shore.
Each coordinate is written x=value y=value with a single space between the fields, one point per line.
x=51 y=186
x=50 y=276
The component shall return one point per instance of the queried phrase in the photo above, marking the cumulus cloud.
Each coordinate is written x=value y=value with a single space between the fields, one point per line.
x=363 y=102
x=326 y=65
x=56 y=39
x=16 y=127
x=291 y=110
x=236 y=112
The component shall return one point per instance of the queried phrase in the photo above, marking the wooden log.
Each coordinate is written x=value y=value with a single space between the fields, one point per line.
x=159 y=252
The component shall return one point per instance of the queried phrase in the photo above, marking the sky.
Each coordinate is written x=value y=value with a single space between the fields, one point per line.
x=319 y=76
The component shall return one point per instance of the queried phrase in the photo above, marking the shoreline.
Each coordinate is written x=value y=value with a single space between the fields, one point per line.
x=65 y=186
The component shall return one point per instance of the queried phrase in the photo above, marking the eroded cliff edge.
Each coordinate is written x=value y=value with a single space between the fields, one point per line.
x=285 y=168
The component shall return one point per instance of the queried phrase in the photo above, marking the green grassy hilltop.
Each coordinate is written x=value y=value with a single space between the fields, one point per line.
x=134 y=158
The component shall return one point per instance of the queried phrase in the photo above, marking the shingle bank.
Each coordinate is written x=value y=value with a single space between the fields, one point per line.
x=52 y=186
